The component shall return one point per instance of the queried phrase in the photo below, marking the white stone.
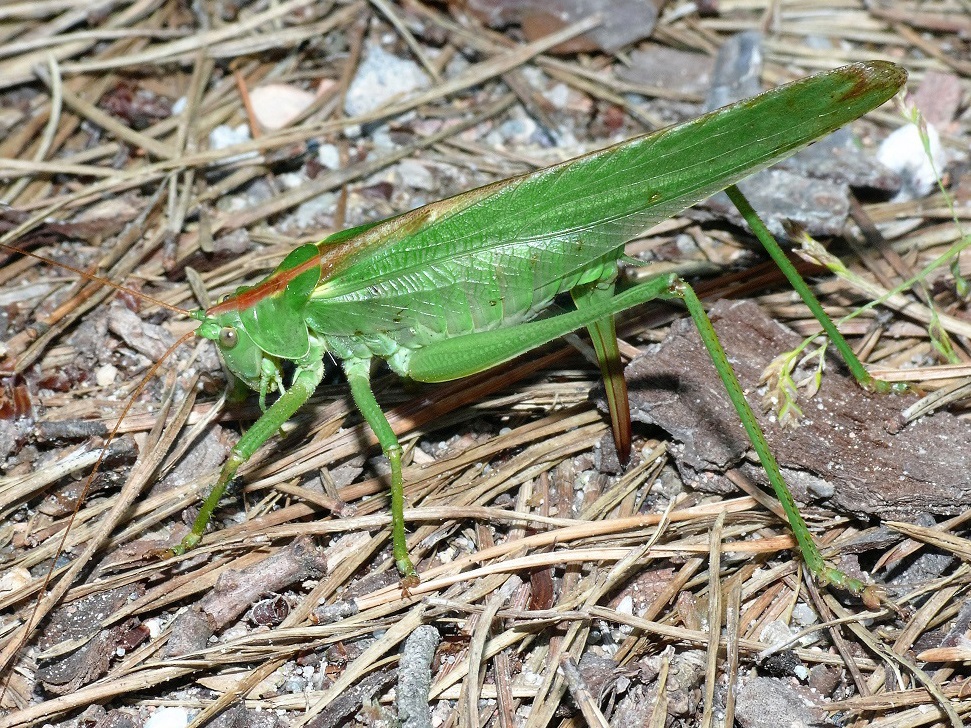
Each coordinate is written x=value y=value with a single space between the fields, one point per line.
x=380 y=77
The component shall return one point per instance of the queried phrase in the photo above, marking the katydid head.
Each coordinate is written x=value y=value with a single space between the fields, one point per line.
x=249 y=363
x=258 y=327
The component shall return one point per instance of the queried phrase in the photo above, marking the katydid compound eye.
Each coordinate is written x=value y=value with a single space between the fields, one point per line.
x=228 y=338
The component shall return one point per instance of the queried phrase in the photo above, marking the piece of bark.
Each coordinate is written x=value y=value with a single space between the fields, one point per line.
x=842 y=454
x=349 y=702
x=819 y=206
x=622 y=21
x=236 y=591
x=653 y=64
x=149 y=340
x=83 y=666
x=80 y=621
x=239 y=716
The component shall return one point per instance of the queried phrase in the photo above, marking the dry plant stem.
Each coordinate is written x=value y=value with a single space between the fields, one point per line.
x=659 y=713
x=472 y=77
x=438 y=577
x=505 y=702
x=638 y=643
x=362 y=696
x=937 y=537
x=700 y=638
x=54 y=81
x=21 y=69
x=183 y=47
x=893 y=659
x=415 y=677
x=472 y=685
x=581 y=694
x=93 y=694
x=732 y=628
x=596 y=586
x=714 y=620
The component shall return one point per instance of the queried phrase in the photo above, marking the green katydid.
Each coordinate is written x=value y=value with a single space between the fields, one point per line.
x=461 y=285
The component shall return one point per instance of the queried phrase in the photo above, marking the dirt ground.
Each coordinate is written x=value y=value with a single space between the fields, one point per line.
x=182 y=149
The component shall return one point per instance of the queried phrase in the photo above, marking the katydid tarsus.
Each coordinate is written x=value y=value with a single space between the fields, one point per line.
x=461 y=285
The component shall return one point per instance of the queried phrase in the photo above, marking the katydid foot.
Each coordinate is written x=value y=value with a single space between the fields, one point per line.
x=872 y=595
x=184 y=546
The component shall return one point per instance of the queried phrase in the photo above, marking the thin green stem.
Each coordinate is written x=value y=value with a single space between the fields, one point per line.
x=775 y=252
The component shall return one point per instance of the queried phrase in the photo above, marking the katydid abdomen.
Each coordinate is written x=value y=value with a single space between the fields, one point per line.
x=497 y=288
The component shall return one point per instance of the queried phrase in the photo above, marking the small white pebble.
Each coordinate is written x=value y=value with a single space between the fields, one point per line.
x=381 y=77
x=804 y=615
x=224 y=136
x=329 y=156
x=106 y=375
x=776 y=633
x=558 y=96
x=154 y=627
x=168 y=718
x=903 y=152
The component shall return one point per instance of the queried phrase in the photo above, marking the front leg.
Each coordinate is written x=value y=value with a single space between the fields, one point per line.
x=305 y=381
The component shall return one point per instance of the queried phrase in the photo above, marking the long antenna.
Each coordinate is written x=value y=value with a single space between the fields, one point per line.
x=95 y=278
